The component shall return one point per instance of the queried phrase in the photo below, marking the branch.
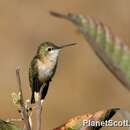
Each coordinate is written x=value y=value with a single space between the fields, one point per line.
x=39 y=109
x=23 y=109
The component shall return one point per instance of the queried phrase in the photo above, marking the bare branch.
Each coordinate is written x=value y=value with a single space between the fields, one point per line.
x=39 y=109
x=23 y=109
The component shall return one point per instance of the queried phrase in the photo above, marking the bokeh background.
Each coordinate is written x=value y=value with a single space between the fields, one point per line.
x=82 y=83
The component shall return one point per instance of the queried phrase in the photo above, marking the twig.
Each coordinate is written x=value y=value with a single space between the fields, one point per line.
x=39 y=109
x=13 y=120
x=23 y=110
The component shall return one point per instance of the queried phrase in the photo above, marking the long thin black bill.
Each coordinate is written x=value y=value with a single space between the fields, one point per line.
x=67 y=45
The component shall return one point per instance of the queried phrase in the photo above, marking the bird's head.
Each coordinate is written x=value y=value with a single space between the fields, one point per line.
x=49 y=49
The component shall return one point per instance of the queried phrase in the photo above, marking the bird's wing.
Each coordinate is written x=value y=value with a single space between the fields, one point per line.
x=32 y=71
x=35 y=84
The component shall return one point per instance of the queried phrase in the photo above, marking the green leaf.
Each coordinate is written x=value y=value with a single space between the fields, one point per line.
x=108 y=47
x=7 y=126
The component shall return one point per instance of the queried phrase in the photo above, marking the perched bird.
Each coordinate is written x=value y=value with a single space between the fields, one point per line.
x=43 y=67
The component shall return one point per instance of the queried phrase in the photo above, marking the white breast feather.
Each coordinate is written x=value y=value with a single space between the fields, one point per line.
x=45 y=71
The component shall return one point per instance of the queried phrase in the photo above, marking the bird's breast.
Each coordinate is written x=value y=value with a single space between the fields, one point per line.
x=45 y=71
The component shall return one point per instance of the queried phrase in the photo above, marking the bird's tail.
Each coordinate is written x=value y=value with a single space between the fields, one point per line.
x=32 y=99
x=44 y=91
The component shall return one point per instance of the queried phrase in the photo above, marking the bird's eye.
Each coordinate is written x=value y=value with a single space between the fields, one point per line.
x=49 y=49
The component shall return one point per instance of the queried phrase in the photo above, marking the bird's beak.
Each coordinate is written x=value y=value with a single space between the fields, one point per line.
x=66 y=45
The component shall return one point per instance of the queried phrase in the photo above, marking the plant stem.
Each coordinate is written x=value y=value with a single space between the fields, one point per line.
x=22 y=105
x=39 y=109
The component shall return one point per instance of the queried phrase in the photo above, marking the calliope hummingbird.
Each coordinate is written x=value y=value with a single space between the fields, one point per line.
x=43 y=67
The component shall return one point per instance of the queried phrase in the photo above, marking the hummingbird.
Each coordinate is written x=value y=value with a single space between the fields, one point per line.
x=43 y=67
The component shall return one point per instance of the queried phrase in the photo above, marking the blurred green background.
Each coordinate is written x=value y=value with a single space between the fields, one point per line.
x=82 y=83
